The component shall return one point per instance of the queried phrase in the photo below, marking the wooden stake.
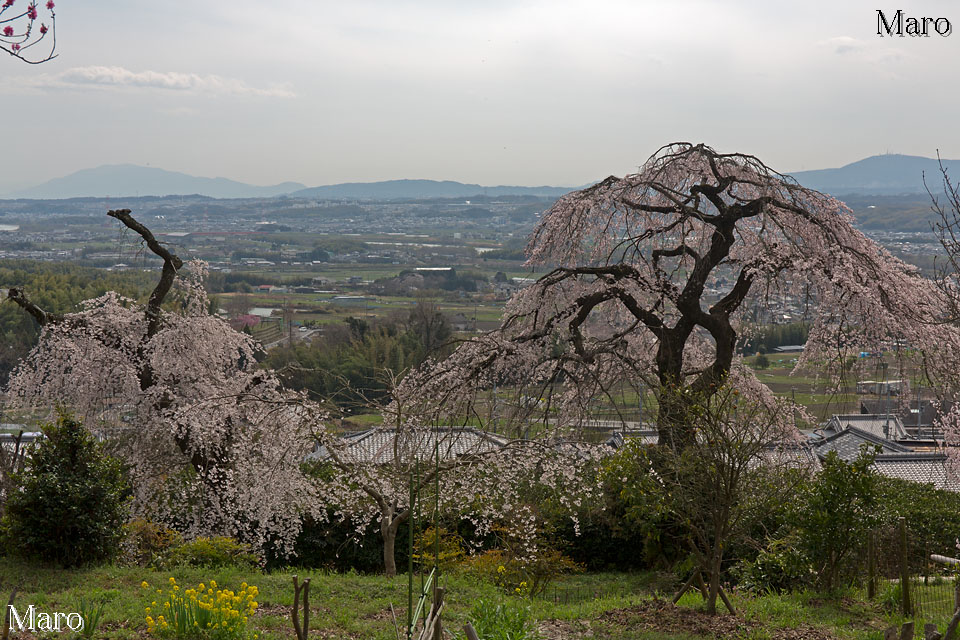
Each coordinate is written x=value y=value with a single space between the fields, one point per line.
x=686 y=585
x=298 y=589
x=6 y=614
x=723 y=596
x=904 y=570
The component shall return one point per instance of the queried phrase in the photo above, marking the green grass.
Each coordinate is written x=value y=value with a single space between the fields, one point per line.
x=358 y=606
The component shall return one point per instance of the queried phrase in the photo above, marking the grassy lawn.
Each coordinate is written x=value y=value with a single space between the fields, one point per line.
x=598 y=605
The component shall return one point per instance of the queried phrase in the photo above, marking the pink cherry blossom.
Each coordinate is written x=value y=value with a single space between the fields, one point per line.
x=213 y=443
x=622 y=307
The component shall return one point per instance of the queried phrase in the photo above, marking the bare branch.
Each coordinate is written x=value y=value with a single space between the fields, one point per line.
x=42 y=317
x=171 y=265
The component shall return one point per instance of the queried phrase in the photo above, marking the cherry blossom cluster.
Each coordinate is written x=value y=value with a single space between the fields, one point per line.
x=212 y=441
x=629 y=261
x=457 y=470
x=22 y=37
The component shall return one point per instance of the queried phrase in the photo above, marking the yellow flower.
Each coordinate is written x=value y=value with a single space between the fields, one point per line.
x=213 y=583
x=172 y=581
x=501 y=569
x=144 y=585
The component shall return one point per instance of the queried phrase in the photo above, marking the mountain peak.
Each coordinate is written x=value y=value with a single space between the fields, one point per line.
x=887 y=174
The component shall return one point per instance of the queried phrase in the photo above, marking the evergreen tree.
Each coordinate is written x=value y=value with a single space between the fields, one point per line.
x=71 y=501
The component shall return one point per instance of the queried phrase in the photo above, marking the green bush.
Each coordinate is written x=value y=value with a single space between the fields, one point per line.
x=71 y=500
x=213 y=552
x=932 y=515
x=780 y=566
x=145 y=540
x=835 y=514
x=505 y=621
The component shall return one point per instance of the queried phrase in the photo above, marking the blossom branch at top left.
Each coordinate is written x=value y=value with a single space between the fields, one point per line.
x=20 y=35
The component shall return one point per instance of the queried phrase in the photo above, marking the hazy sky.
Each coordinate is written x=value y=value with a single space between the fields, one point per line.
x=552 y=92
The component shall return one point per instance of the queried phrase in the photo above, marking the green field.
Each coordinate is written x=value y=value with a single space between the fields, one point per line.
x=605 y=605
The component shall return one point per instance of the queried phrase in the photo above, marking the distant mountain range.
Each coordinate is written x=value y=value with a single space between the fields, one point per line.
x=890 y=174
x=129 y=180
x=392 y=189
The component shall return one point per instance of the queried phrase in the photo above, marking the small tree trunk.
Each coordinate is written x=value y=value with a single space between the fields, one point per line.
x=389 y=532
x=715 y=561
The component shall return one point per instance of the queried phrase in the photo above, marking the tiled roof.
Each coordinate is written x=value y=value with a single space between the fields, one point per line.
x=886 y=426
x=847 y=443
x=800 y=456
x=646 y=436
x=910 y=416
x=925 y=468
x=789 y=455
x=383 y=444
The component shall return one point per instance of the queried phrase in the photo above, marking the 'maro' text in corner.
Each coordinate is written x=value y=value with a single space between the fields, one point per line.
x=902 y=25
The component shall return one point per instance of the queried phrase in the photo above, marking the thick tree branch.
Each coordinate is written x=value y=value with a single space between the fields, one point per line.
x=171 y=264
x=42 y=317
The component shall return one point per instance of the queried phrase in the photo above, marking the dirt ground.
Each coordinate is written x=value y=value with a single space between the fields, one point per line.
x=660 y=615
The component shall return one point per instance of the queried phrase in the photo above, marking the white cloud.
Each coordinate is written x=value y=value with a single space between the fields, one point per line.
x=120 y=77
x=843 y=44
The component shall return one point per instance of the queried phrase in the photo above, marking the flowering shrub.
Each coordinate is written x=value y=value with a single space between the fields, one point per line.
x=214 y=552
x=204 y=612
x=146 y=541
x=425 y=550
x=519 y=576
